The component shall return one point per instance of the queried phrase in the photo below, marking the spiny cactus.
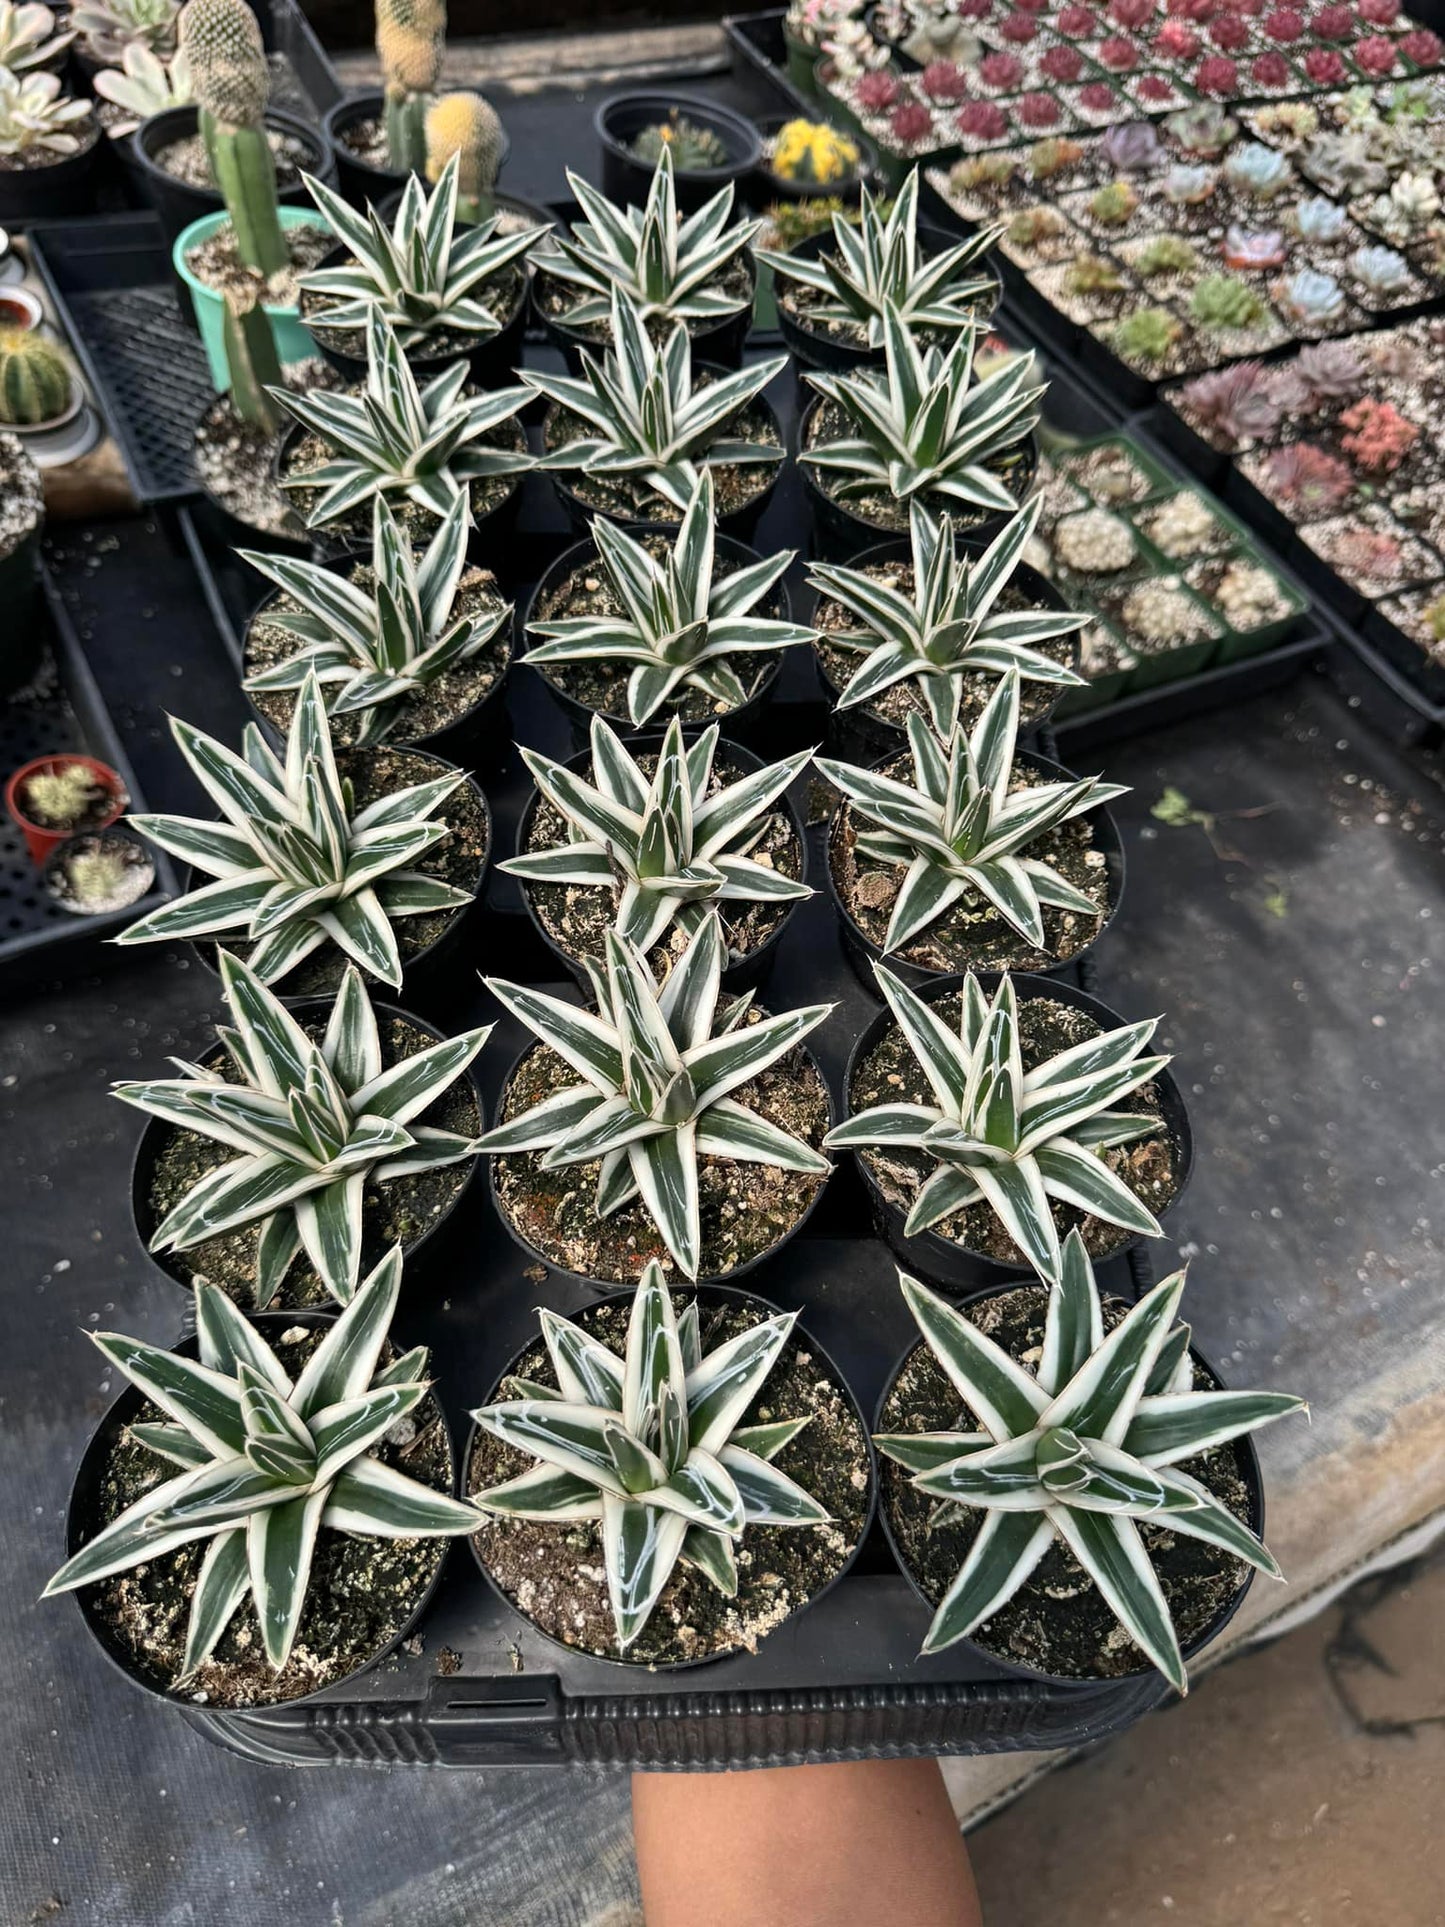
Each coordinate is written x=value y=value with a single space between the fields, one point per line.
x=222 y=41
x=467 y=126
x=36 y=378
x=410 y=44
x=252 y=359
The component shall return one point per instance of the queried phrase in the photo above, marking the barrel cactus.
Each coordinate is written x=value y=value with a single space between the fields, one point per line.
x=36 y=379
x=465 y=125
x=221 y=40
x=811 y=154
x=410 y=45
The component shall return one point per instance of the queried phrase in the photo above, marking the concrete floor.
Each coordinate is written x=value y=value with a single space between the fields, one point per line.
x=1300 y=1785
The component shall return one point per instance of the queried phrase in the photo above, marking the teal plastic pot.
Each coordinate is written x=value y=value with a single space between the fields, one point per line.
x=293 y=342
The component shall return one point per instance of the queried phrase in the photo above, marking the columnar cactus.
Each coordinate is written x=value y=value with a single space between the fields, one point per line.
x=467 y=126
x=252 y=359
x=35 y=378
x=410 y=44
x=222 y=41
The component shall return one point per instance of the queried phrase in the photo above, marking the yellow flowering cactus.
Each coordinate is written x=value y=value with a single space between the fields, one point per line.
x=814 y=154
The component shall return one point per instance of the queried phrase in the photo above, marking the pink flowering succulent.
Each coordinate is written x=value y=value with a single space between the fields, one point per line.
x=1218 y=76
x=1177 y=40
x=1370 y=555
x=1037 y=110
x=1301 y=476
x=1253 y=248
x=1001 y=73
x=1374 y=55
x=1229 y=33
x=1119 y=54
x=982 y=120
x=1379 y=437
x=1379 y=13
x=1333 y=23
x=1097 y=97
x=1324 y=67
x=1232 y=405
x=1076 y=23
x=1018 y=28
x=876 y=92
x=944 y=81
x=1132 y=14
x=1062 y=65
x=1156 y=88
x=910 y=123
x=1271 y=72
x=1422 y=47
x=1284 y=25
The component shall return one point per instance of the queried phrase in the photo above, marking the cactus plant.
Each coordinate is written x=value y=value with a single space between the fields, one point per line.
x=410 y=45
x=809 y=153
x=252 y=360
x=222 y=41
x=467 y=126
x=692 y=146
x=36 y=378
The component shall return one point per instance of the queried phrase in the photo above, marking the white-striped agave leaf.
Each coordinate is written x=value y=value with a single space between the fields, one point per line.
x=921 y=425
x=1011 y=1138
x=878 y=264
x=1083 y=1449
x=664 y=266
x=664 y=842
x=372 y=648
x=295 y=862
x=408 y=443
x=643 y=415
x=424 y=276
x=681 y=623
x=950 y=625
x=261 y=1462
x=650 y=1448
x=959 y=829
x=311 y=1125
x=657 y=1069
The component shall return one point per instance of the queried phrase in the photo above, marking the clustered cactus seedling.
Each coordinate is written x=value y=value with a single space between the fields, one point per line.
x=36 y=378
x=58 y=798
x=693 y=148
x=465 y=127
x=266 y=1462
x=221 y=40
x=410 y=46
x=28 y=37
x=35 y=118
x=1083 y=1448
x=313 y=1123
x=650 y=1447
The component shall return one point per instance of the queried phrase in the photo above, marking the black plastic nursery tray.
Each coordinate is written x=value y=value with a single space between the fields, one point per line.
x=303 y=80
x=62 y=712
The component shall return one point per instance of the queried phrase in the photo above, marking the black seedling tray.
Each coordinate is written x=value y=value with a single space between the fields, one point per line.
x=303 y=80
x=63 y=714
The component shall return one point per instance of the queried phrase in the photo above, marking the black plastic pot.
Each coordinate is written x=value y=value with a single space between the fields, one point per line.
x=755 y=966
x=157 y=1132
x=358 y=181
x=464 y=741
x=768 y=186
x=841 y=534
x=857 y=735
x=602 y=1286
x=626 y=179
x=54 y=193
x=82 y=1520
x=1247 y=1459
x=862 y=953
x=492 y=361
x=719 y=345
x=710 y=1295
x=952 y=1267
x=816 y=351
x=176 y=202
x=738 y=723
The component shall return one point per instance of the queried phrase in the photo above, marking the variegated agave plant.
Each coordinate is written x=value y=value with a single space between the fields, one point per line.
x=960 y=827
x=373 y=648
x=296 y=863
x=650 y=1448
x=1084 y=1449
x=1010 y=1137
x=878 y=265
x=923 y=427
x=643 y=416
x=681 y=624
x=658 y=1067
x=312 y=1125
x=410 y=444
x=949 y=626
x=667 y=268
x=669 y=847
x=266 y=1461
x=423 y=277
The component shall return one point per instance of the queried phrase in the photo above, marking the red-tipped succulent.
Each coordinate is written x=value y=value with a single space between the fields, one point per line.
x=1217 y=76
x=876 y=92
x=1284 y=25
x=1270 y=71
x=1119 y=54
x=1375 y=54
x=1001 y=73
x=910 y=123
x=1324 y=67
x=982 y=120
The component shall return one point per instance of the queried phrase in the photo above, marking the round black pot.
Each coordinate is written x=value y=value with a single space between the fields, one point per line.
x=1248 y=1466
x=755 y=966
x=768 y=186
x=602 y=1286
x=157 y=1131
x=937 y=1259
x=842 y=534
x=857 y=735
x=626 y=179
x=862 y=953
x=737 y=722
x=428 y=975
x=817 y=351
x=492 y=361
x=177 y=203
x=358 y=181
x=82 y=1521
x=226 y=529
x=711 y=1294
x=23 y=649
x=54 y=193
x=720 y=345
x=464 y=741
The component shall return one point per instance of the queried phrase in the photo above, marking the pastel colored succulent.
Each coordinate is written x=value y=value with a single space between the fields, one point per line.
x=1234 y=405
x=1329 y=370
x=1118 y=54
x=1222 y=301
x=1414 y=199
x=1112 y=205
x=1378 y=436
x=1051 y=156
x=1320 y=220
x=1253 y=248
x=1310 y=298
x=1165 y=254
x=1258 y=171
x=1381 y=269
x=1202 y=128
x=1187 y=185
x=1132 y=147
x=1307 y=479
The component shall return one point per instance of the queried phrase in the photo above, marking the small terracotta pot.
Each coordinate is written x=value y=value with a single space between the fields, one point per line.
x=41 y=841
